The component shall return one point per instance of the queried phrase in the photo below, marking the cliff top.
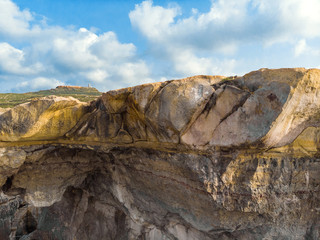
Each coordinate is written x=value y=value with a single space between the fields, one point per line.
x=84 y=94
x=268 y=108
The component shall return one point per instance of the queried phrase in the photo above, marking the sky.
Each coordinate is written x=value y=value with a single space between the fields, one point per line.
x=111 y=44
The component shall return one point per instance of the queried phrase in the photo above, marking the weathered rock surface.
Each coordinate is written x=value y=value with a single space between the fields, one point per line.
x=205 y=157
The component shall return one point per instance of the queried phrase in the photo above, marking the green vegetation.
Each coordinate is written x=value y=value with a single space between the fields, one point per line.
x=229 y=78
x=84 y=94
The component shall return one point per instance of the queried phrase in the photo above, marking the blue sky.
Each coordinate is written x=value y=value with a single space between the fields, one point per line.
x=112 y=44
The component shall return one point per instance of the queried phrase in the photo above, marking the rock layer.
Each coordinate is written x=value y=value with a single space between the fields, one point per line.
x=205 y=157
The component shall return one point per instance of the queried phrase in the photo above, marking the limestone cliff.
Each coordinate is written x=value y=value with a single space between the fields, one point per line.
x=205 y=157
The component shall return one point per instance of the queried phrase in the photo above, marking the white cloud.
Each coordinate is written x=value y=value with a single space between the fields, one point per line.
x=188 y=63
x=151 y=20
x=208 y=31
x=40 y=83
x=299 y=17
x=12 y=61
x=79 y=56
x=97 y=75
x=137 y=70
x=72 y=52
x=13 y=21
x=108 y=47
x=187 y=43
x=194 y=44
x=300 y=48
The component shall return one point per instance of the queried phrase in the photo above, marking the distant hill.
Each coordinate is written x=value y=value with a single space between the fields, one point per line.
x=84 y=94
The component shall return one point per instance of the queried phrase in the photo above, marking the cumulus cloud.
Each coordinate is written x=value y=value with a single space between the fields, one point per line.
x=153 y=21
x=188 y=63
x=12 y=61
x=39 y=83
x=302 y=48
x=188 y=43
x=298 y=17
x=107 y=47
x=13 y=21
x=214 y=37
x=97 y=75
x=77 y=56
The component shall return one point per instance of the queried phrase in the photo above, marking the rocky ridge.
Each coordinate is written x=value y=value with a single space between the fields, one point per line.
x=205 y=157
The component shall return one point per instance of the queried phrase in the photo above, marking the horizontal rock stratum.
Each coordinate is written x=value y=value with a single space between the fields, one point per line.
x=205 y=157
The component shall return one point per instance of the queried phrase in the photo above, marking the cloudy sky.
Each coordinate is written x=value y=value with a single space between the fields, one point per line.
x=117 y=43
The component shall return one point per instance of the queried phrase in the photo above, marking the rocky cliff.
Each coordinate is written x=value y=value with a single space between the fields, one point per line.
x=205 y=157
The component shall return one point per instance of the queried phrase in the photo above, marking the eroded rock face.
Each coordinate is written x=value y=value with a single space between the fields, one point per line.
x=205 y=157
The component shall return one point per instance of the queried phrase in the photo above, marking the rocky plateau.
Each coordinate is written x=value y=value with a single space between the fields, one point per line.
x=205 y=157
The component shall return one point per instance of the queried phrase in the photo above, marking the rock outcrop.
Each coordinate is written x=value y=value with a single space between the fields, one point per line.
x=205 y=157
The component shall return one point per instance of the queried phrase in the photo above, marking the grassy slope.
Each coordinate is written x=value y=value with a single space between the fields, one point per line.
x=84 y=94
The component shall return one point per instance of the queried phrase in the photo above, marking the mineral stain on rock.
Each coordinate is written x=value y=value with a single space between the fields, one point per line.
x=205 y=157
